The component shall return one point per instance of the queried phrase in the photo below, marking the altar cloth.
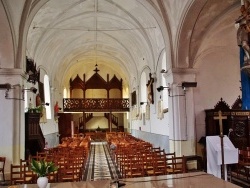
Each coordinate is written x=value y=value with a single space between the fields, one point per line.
x=214 y=159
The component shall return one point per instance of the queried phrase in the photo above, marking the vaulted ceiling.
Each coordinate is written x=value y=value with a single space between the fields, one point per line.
x=123 y=36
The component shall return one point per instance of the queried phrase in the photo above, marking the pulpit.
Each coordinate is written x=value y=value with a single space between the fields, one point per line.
x=34 y=139
x=214 y=159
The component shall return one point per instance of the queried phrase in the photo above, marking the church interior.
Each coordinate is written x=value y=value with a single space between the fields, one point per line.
x=115 y=93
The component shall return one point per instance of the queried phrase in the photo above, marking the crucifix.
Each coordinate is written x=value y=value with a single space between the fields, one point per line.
x=220 y=118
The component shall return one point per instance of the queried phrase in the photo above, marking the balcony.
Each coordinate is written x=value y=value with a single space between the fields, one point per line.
x=95 y=105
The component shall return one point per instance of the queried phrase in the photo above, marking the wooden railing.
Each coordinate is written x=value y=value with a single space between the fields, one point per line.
x=88 y=116
x=95 y=105
x=114 y=119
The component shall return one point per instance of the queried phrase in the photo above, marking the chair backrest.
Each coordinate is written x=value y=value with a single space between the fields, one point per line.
x=176 y=165
x=170 y=155
x=180 y=164
x=156 y=148
x=67 y=172
x=20 y=174
x=16 y=174
x=2 y=163
x=159 y=152
x=24 y=162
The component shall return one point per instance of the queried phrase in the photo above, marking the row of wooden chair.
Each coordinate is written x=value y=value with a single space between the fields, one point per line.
x=70 y=162
x=141 y=160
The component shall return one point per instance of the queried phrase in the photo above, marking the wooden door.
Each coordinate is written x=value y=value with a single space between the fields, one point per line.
x=64 y=125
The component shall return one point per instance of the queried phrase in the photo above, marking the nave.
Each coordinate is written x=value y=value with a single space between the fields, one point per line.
x=105 y=164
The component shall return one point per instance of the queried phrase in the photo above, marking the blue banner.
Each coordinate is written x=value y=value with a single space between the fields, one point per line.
x=245 y=84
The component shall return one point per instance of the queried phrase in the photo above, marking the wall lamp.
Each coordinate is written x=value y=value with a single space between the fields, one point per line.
x=5 y=86
x=32 y=89
x=163 y=71
x=185 y=85
x=188 y=84
x=159 y=89
x=8 y=86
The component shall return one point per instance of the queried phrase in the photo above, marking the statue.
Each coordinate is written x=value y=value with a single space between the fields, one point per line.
x=243 y=39
x=243 y=33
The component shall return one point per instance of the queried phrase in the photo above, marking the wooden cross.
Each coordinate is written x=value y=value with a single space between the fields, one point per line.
x=220 y=118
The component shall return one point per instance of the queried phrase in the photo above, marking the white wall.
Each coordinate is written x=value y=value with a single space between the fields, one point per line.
x=218 y=68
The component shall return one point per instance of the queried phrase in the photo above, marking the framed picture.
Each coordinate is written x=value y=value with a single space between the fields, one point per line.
x=41 y=91
x=133 y=98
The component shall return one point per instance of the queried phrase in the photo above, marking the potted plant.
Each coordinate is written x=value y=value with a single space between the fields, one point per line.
x=42 y=169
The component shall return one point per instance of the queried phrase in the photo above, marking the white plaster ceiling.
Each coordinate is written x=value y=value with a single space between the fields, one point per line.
x=69 y=37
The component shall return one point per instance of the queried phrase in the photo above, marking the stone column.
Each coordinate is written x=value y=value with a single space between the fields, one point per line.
x=181 y=112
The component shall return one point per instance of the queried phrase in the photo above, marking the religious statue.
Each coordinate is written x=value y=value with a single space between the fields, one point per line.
x=56 y=110
x=243 y=31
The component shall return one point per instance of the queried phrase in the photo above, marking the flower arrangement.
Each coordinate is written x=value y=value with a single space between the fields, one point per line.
x=43 y=168
x=38 y=109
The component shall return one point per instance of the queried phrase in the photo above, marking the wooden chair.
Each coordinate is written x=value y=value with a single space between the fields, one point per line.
x=19 y=175
x=123 y=164
x=27 y=168
x=134 y=167
x=53 y=177
x=176 y=165
x=2 y=164
x=67 y=173
x=158 y=162
x=41 y=155
x=78 y=161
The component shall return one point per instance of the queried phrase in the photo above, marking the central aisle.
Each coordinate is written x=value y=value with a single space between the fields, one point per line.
x=100 y=165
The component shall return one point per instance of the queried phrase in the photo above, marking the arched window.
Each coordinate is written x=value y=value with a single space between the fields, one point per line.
x=65 y=93
x=47 y=96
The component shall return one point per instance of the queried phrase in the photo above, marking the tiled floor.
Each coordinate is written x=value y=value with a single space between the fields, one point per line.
x=100 y=164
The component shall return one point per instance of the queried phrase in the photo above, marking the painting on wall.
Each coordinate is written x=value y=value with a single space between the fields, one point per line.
x=133 y=98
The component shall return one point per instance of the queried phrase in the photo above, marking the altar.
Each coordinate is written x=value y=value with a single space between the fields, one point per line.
x=214 y=157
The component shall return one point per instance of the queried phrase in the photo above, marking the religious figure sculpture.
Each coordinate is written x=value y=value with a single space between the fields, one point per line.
x=56 y=110
x=243 y=39
x=243 y=31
